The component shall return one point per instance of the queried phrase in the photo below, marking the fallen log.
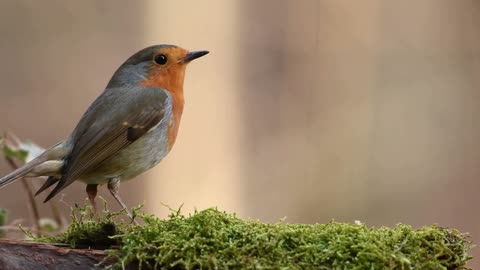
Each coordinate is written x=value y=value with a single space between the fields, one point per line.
x=23 y=255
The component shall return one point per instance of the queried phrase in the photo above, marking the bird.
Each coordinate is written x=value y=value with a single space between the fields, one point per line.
x=129 y=128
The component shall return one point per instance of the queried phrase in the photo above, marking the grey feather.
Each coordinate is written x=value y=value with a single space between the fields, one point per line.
x=100 y=134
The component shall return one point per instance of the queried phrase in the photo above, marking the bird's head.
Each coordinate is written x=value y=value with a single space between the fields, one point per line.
x=155 y=66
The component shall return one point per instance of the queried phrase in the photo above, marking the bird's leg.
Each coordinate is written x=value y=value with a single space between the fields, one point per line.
x=113 y=187
x=92 y=193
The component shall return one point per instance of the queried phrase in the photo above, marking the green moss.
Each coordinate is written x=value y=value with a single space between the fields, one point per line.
x=87 y=230
x=211 y=239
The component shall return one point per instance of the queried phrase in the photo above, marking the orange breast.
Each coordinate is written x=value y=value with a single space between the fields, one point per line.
x=177 y=107
x=171 y=80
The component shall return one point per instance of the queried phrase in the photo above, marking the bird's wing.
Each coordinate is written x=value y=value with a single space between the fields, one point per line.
x=116 y=119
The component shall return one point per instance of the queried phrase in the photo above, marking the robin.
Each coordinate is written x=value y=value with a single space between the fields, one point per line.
x=126 y=131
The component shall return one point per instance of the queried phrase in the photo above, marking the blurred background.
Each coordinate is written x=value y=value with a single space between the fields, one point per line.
x=311 y=110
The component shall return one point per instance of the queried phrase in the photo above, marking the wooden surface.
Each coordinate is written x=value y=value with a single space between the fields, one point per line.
x=20 y=255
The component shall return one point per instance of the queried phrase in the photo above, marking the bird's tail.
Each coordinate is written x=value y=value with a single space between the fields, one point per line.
x=22 y=171
x=45 y=164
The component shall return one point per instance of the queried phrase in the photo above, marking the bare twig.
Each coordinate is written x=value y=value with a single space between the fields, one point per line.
x=11 y=140
x=31 y=198
x=15 y=142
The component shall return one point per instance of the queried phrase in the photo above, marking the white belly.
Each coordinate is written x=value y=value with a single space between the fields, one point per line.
x=136 y=158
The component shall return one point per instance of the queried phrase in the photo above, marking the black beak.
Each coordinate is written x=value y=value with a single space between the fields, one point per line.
x=194 y=55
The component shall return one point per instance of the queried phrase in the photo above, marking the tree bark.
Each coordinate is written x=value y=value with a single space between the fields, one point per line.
x=20 y=255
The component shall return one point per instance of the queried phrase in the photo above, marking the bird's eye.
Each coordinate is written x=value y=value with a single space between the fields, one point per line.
x=160 y=59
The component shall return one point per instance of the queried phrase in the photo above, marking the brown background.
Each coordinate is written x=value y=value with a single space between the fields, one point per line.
x=313 y=110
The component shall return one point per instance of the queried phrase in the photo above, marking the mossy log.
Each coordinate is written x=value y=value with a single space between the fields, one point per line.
x=211 y=239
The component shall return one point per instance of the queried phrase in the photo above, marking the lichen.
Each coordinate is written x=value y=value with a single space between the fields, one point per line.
x=212 y=239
